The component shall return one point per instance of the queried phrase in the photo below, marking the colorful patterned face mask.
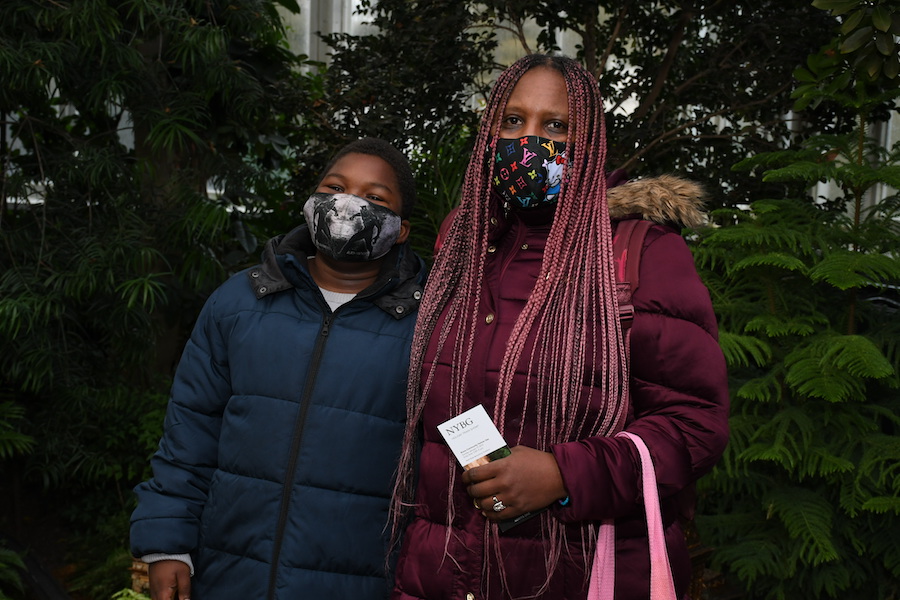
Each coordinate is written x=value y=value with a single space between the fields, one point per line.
x=350 y=228
x=528 y=171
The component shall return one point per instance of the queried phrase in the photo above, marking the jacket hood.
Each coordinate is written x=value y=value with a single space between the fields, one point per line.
x=397 y=290
x=664 y=199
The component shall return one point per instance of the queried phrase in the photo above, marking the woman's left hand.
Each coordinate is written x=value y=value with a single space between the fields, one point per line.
x=524 y=481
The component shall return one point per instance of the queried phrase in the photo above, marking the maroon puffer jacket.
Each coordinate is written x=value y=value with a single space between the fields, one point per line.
x=679 y=404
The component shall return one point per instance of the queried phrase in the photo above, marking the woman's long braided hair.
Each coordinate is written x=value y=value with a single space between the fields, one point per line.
x=571 y=314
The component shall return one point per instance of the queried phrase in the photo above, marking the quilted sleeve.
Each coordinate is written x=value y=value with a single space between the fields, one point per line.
x=167 y=518
x=678 y=388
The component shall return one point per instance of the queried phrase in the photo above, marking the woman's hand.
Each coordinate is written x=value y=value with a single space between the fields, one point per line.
x=525 y=481
x=170 y=580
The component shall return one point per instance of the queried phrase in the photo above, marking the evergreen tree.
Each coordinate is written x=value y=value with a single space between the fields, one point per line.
x=806 y=503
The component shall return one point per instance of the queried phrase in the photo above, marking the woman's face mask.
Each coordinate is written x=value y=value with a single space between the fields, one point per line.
x=528 y=171
x=350 y=228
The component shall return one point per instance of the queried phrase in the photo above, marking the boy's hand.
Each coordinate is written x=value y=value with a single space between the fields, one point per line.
x=170 y=580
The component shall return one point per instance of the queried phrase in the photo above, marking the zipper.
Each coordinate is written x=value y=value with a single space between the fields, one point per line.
x=296 y=443
x=297 y=440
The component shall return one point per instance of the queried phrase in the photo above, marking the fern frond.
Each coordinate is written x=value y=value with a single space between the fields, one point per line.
x=808 y=518
x=884 y=545
x=744 y=350
x=780 y=325
x=883 y=504
x=776 y=158
x=778 y=260
x=806 y=171
x=145 y=292
x=852 y=496
x=755 y=558
x=819 y=462
x=771 y=237
x=743 y=427
x=809 y=377
x=761 y=389
x=845 y=269
x=856 y=355
x=12 y=568
x=890 y=174
x=829 y=580
x=783 y=439
x=880 y=464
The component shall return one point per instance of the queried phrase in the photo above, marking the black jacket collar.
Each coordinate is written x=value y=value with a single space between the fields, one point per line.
x=397 y=291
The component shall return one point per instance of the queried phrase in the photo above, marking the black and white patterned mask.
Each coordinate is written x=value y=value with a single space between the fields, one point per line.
x=350 y=228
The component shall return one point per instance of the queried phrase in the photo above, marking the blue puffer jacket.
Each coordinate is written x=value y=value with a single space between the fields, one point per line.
x=282 y=434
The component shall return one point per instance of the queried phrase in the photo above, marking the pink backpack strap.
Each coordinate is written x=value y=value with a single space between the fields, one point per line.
x=602 y=582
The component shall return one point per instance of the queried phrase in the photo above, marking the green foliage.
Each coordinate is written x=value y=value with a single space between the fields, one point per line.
x=439 y=166
x=690 y=89
x=867 y=36
x=141 y=142
x=129 y=594
x=804 y=503
x=410 y=81
x=815 y=425
x=12 y=440
x=102 y=570
x=11 y=567
x=397 y=83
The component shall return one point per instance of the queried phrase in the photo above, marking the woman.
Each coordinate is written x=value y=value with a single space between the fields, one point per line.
x=520 y=315
x=273 y=476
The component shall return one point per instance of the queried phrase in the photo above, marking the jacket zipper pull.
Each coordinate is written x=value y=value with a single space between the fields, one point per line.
x=326 y=325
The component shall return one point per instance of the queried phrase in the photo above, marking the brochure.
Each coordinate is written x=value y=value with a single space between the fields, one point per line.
x=474 y=440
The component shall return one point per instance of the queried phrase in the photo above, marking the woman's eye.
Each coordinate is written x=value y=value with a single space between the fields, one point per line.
x=512 y=121
x=557 y=126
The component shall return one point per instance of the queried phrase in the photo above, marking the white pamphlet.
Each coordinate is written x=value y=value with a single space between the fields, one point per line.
x=473 y=438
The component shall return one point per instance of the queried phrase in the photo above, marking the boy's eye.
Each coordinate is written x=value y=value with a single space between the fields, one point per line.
x=374 y=198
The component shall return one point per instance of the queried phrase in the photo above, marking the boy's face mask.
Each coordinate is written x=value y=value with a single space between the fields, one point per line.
x=350 y=228
x=528 y=171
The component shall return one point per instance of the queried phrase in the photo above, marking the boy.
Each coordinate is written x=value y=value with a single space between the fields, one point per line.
x=273 y=476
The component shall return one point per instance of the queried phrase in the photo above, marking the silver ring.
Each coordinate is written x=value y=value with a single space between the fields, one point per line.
x=498 y=505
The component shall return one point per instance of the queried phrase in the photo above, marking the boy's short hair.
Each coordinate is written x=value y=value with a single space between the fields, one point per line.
x=389 y=154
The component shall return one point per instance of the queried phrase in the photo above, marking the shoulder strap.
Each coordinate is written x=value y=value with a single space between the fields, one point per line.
x=628 y=242
x=603 y=571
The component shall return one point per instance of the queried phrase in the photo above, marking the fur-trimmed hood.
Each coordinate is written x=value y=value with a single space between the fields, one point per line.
x=663 y=199
x=666 y=200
